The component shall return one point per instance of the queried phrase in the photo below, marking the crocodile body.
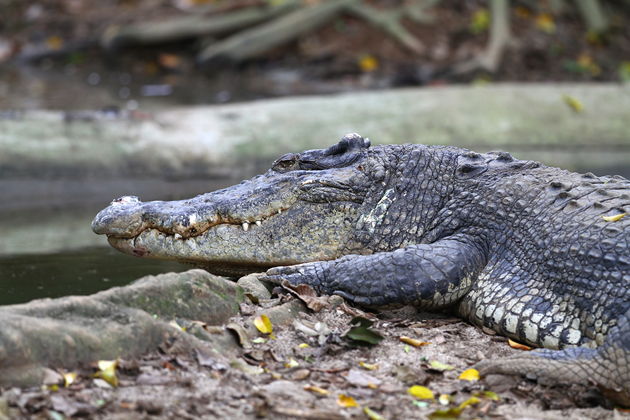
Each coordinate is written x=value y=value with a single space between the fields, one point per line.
x=535 y=253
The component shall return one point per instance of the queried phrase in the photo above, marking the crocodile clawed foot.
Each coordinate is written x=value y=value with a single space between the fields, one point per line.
x=312 y=274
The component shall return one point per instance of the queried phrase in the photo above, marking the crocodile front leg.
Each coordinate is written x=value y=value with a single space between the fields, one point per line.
x=607 y=365
x=429 y=275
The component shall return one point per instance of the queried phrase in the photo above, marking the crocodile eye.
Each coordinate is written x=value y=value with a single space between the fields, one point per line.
x=286 y=163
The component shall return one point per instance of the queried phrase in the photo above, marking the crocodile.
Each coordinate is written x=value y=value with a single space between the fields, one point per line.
x=535 y=253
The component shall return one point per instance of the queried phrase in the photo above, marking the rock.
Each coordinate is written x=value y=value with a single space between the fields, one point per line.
x=4 y=409
x=253 y=288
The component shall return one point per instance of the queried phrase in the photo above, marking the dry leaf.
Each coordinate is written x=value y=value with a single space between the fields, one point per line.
x=573 y=103
x=346 y=401
x=372 y=415
x=291 y=363
x=421 y=392
x=368 y=63
x=368 y=366
x=518 y=346
x=614 y=218
x=545 y=23
x=69 y=378
x=316 y=389
x=440 y=366
x=413 y=341
x=263 y=324
x=470 y=375
x=107 y=371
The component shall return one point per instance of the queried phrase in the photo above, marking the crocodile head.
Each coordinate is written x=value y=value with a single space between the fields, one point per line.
x=305 y=208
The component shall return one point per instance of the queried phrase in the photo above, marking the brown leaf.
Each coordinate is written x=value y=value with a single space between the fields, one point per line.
x=307 y=294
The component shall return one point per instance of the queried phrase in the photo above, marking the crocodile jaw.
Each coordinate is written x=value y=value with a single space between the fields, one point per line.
x=238 y=249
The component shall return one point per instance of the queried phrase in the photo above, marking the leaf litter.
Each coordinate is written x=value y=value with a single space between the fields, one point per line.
x=288 y=378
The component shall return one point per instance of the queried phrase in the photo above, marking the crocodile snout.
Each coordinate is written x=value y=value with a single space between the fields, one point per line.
x=127 y=217
x=122 y=218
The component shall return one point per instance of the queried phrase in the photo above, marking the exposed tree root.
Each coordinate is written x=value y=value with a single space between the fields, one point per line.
x=490 y=59
x=258 y=40
x=389 y=22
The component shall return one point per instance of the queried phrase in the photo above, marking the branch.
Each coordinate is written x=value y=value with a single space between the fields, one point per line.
x=593 y=15
x=190 y=26
x=490 y=58
x=257 y=41
x=390 y=23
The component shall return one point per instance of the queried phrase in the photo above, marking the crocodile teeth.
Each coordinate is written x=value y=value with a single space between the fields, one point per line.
x=258 y=223
x=177 y=236
x=245 y=226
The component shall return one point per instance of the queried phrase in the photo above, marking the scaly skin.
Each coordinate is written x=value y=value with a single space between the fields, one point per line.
x=512 y=245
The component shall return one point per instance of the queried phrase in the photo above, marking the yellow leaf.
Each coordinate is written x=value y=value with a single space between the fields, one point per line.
x=573 y=103
x=316 y=389
x=368 y=366
x=469 y=401
x=614 y=218
x=54 y=42
x=587 y=63
x=372 y=415
x=421 y=392
x=440 y=366
x=413 y=341
x=368 y=63
x=53 y=387
x=107 y=371
x=470 y=375
x=518 y=346
x=263 y=324
x=346 y=401
x=545 y=23
x=69 y=378
x=291 y=363
x=174 y=324
x=488 y=394
x=480 y=21
x=303 y=345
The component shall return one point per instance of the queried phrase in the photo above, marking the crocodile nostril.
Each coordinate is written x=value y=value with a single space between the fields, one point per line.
x=126 y=199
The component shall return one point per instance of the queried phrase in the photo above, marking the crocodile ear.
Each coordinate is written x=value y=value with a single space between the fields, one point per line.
x=349 y=142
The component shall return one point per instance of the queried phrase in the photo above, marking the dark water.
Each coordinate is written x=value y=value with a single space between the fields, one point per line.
x=27 y=277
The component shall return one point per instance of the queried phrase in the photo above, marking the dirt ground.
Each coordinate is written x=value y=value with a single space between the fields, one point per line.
x=306 y=367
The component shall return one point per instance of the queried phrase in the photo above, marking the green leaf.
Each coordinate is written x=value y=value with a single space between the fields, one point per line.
x=362 y=334
x=440 y=366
